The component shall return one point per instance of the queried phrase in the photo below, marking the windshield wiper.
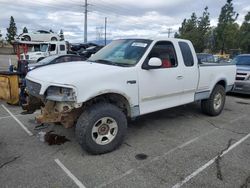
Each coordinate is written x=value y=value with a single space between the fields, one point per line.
x=107 y=62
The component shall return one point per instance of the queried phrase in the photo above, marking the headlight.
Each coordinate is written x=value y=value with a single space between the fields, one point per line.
x=60 y=94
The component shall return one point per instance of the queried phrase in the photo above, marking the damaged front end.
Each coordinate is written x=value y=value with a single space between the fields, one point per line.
x=58 y=104
x=59 y=112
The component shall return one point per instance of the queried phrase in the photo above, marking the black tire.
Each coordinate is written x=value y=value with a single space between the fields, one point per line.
x=89 y=119
x=53 y=39
x=26 y=38
x=208 y=105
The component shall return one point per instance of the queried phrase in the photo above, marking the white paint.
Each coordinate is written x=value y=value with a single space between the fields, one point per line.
x=5 y=117
x=195 y=173
x=19 y=122
x=153 y=90
x=154 y=159
x=77 y=182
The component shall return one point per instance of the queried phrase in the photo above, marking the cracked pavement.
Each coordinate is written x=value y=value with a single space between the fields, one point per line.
x=176 y=142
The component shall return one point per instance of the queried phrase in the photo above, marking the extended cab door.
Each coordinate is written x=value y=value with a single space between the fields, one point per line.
x=190 y=71
x=161 y=87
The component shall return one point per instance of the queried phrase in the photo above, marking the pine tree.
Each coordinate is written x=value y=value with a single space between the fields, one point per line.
x=11 y=31
x=25 y=30
x=196 y=30
x=245 y=34
x=227 y=30
x=61 y=35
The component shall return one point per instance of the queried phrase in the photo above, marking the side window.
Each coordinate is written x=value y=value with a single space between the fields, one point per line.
x=52 y=47
x=186 y=54
x=166 y=52
x=62 y=48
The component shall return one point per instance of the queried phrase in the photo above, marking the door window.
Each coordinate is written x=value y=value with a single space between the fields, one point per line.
x=166 y=52
x=52 y=47
x=62 y=47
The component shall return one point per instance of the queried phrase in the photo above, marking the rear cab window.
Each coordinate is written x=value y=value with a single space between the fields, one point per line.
x=186 y=54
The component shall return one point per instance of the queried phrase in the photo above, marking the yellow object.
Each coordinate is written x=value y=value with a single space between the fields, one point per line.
x=9 y=87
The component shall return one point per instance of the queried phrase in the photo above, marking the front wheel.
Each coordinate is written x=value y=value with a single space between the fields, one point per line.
x=101 y=128
x=215 y=104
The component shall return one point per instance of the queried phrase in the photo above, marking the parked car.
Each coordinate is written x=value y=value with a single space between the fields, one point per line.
x=81 y=46
x=40 y=35
x=89 y=51
x=242 y=82
x=46 y=49
x=54 y=59
x=126 y=79
x=205 y=58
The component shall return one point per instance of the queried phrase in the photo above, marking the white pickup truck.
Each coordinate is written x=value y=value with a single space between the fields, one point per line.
x=44 y=49
x=126 y=79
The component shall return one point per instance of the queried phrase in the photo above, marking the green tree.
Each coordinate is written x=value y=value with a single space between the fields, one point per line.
x=196 y=30
x=245 y=34
x=11 y=30
x=227 y=30
x=25 y=30
x=1 y=34
x=61 y=35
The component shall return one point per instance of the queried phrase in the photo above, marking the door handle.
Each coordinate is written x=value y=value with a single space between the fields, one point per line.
x=179 y=77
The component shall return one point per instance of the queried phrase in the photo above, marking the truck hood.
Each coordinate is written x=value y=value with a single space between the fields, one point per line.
x=243 y=68
x=72 y=73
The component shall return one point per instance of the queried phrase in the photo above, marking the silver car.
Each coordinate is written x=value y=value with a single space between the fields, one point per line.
x=242 y=82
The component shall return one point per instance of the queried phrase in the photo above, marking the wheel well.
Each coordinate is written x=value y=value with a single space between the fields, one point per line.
x=222 y=83
x=113 y=98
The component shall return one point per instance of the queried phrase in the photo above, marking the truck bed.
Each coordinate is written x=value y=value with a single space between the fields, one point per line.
x=210 y=74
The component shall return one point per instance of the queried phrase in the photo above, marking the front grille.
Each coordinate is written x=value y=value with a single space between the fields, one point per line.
x=241 y=74
x=240 y=78
x=33 y=88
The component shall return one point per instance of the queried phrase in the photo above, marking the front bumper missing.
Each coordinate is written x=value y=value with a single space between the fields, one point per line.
x=51 y=114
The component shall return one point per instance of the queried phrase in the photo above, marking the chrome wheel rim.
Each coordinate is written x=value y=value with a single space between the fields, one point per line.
x=104 y=130
x=217 y=101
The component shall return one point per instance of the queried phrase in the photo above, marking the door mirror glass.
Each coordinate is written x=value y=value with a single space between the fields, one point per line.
x=155 y=62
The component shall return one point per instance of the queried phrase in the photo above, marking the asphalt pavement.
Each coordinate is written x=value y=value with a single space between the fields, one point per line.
x=178 y=147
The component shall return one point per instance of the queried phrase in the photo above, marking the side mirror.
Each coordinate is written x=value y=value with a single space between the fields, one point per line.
x=153 y=63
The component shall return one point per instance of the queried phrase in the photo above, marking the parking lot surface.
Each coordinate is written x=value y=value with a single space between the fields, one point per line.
x=178 y=147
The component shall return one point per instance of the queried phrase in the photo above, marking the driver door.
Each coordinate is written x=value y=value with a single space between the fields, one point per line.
x=161 y=87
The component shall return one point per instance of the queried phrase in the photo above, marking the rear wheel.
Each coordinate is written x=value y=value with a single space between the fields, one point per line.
x=101 y=128
x=215 y=104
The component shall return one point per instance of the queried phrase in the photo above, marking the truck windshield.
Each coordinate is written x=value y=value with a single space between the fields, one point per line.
x=44 y=47
x=242 y=60
x=125 y=52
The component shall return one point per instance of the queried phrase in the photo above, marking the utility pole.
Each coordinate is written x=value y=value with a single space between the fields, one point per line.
x=105 y=32
x=169 y=32
x=85 y=21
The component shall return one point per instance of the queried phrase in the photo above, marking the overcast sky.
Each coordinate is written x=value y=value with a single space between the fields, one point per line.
x=126 y=18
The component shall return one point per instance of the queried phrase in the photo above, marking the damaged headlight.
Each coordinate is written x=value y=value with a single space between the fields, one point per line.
x=55 y=93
